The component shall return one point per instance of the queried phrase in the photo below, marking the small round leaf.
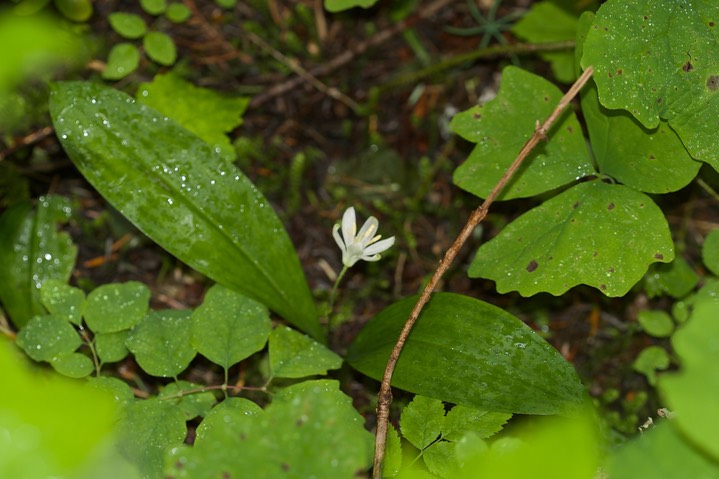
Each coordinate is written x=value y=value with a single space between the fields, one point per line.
x=177 y=12
x=124 y=59
x=160 y=48
x=114 y=307
x=128 y=25
x=63 y=300
x=656 y=323
x=295 y=355
x=111 y=347
x=153 y=7
x=74 y=365
x=45 y=337
x=161 y=342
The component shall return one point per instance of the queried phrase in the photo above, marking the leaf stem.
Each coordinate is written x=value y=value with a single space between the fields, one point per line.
x=384 y=398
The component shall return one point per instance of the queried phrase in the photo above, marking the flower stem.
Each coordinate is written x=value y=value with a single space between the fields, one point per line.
x=333 y=294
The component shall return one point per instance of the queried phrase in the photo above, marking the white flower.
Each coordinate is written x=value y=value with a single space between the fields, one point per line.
x=363 y=245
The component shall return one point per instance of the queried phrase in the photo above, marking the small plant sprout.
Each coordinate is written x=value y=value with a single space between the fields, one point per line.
x=355 y=246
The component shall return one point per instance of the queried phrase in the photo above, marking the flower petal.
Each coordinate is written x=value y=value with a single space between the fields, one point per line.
x=379 y=247
x=367 y=232
x=349 y=226
x=338 y=240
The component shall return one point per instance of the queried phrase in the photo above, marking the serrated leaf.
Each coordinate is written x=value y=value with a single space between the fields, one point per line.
x=468 y=352
x=123 y=59
x=656 y=323
x=127 y=25
x=147 y=429
x=111 y=347
x=161 y=342
x=204 y=112
x=462 y=419
x=189 y=398
x=115 y=307
x=63 y=300
x=74 y=365
x=694 y=389
x=710 y=251
x=441 y=459
x=657 y=60
x=662 y=451
x=32 y=251
x=392 y=453
x=649 y=361
x=45 y=337
x=309 y=430
x=547 y=22
x=183 y=195
x=229 y=327
x=502 y=126
x=294 y=355
x=594 y=233
x=422 y=421
x=160 y=48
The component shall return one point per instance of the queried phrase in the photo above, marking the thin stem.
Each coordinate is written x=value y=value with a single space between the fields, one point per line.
x=333 y=294
x=384 y=398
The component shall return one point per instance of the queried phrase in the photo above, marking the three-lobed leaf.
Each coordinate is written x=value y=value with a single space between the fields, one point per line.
x=468 y=352
x=183 y=195
x=422 y=420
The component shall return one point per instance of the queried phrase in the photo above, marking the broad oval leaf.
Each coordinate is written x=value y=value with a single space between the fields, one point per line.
x=594 y=233
x=660 y=59
x=111 y=308
x=31 y=252
x=184 y=195
x=468 y=352
x=45 y=337
x=74 y=365
x=229 y=327
x=160 y=48
x=124 y=58
x=294 y=355
x=502 y=126
x=161 y=342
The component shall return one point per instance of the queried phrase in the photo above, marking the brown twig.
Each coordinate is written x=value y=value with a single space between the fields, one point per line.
x=384 y=398
x=27 y=140
x=348 y=55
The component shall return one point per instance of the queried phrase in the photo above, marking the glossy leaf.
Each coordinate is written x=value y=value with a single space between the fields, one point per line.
x=73 y=365
x=594 y=233
x=31 y=252
x=127 y=25
x=660 y=59
x=147 y=429
x=115 y=307
x=229 y=327
x=111 y=347
x=160 y=48
x=294 y=355
x=710 y=251
x=502 y=126
x=548 y=22
x=183 y=195
x=45 y=337
x=123 y=59
x=422 y=420
x=204 y=112
x=61 y=299
x=694 y=389
x=469 y=352
x=161 y=342
x=309 y=430
x=194 y=403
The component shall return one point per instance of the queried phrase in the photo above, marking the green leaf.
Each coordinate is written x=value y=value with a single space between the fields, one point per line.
x=177 y=12
x=392 y=453
x=660 y=59
x=223 y=419
x=161 y=342
x=462 y=419
x=594 y=233
x=660 y=452
x=294 y=355
x=656 y=323
x=653 y=161
x=677 y=279
x=147 y=429
x=45 y=337
x=32 y=252
x=341 y=5
x=194 y=403
x=441 y=459
x=74 y=365
x=229 y=327
x=127 y=25
x=119 y=390
x=309 y=430
x=153 y=7
x=204 y=112
x=547 y=22
x=469 y=352
x=184 y=196
x=502 y=126
x=160 y=48
x=111 y=347
x=115 y=307
x=422 y=421
x=124 y=58
x=694 y=389
x=710 y=251
x=63 y=300
x=650 y=360
x=75 y=10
